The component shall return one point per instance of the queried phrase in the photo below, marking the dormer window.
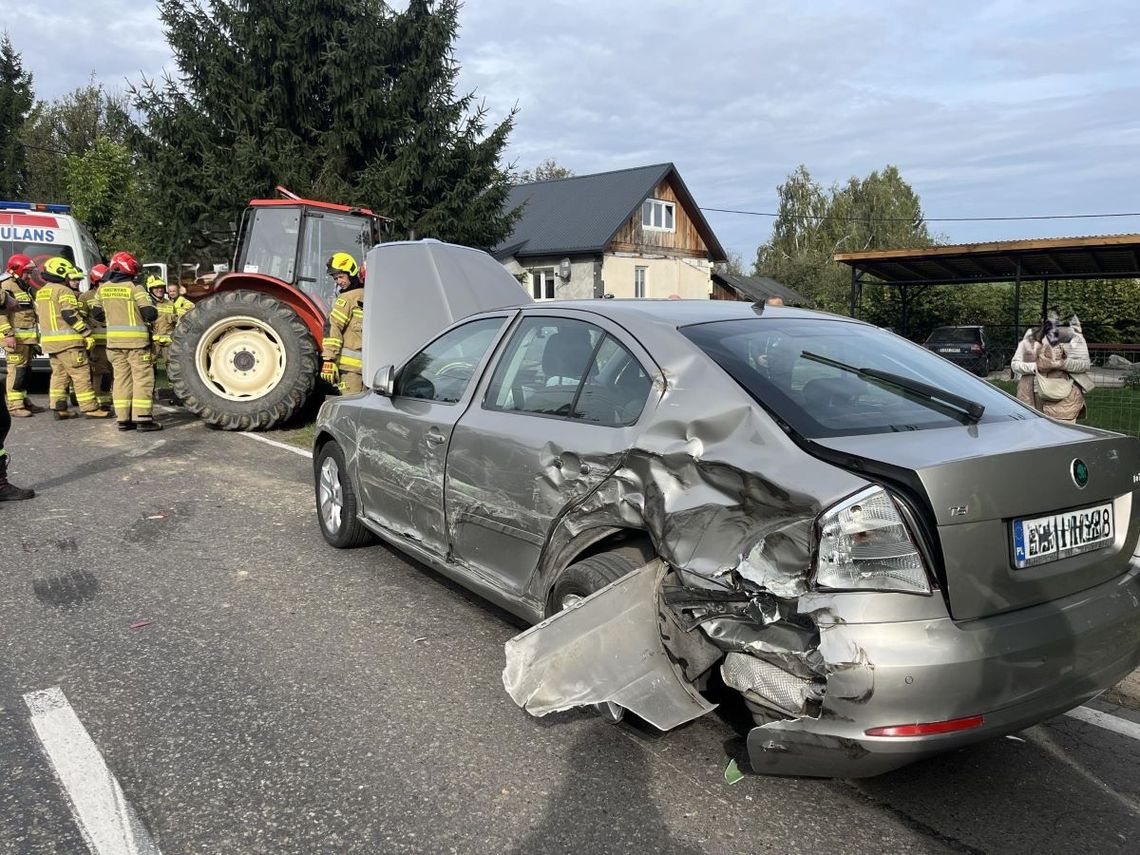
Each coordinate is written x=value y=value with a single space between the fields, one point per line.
x=658 y=215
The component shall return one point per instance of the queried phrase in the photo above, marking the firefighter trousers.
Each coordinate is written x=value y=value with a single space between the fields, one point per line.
x=350 y=383
x=133 y=389
x=71 y=367
x=19 y=359
x=101 y=375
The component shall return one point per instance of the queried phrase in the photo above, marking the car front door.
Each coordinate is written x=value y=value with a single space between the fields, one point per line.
x=550 y=423
x=402 y=440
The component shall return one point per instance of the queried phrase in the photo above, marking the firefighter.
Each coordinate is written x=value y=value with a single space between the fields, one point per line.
x=18 y=332
x=8 y=492
x=181 y=304
x=100 y=364
x=163 y=331
x=342 y=351
x=127 y=311
x=66 y=338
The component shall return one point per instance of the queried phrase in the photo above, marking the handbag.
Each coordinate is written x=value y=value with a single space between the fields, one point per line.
x=1052 y=388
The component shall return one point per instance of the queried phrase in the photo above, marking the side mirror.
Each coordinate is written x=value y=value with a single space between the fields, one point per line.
x=384 y=383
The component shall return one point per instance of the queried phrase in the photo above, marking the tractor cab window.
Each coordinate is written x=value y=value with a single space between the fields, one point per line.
x=271 y=243
x=327 y=233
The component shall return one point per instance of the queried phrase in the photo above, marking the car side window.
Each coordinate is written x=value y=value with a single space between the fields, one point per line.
x=568 y=368
x=442 y=370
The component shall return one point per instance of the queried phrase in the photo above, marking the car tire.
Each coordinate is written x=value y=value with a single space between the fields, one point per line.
x=585 y=577
x=336 y=501
x=591 y=574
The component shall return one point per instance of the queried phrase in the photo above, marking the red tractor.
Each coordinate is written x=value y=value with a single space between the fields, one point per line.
x=247 y=357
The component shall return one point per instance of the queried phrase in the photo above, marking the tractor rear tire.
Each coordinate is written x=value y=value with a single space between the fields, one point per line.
x=243 y=360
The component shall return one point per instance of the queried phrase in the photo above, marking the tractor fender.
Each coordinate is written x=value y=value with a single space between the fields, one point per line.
x=305 y=306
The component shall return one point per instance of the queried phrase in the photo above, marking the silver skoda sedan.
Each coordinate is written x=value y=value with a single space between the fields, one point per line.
x=884 y=555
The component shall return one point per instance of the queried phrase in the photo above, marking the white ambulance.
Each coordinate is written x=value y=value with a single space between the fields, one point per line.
x=42 y=231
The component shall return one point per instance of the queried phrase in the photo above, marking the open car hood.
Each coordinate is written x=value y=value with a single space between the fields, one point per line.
x=417 y=288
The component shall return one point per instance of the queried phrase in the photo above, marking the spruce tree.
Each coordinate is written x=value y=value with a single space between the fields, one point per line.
x=15 y=104
x=342 y=100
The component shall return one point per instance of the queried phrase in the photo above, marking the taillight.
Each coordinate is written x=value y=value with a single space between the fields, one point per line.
x=975 y=348
x=928 y=729
x=864 y=545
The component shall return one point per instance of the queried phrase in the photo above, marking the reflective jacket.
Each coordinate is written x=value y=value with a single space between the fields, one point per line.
x=181 y=306
x=21 y=322
x=97 y=329
x=61 y=323
x=344 y=342
x=127 y=311
x=166 y=322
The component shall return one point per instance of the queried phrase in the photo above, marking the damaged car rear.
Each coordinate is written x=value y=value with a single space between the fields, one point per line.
x=885 y=556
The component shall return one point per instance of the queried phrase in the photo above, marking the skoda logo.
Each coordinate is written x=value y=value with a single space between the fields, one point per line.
x=1080 y=472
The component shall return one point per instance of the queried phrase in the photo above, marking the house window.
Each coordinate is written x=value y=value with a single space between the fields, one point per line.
x=542 y=283
x=656 y=214
x=639 y=274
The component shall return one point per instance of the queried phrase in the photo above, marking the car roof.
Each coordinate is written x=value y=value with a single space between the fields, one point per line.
x=680 y=313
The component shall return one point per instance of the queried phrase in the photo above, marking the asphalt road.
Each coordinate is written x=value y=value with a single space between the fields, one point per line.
x=289 y=698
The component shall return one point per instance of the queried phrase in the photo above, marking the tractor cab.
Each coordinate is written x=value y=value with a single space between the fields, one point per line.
x=291 y=240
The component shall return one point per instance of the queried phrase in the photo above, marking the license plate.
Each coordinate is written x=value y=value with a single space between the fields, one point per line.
x=948 y=350
x=1055 y=536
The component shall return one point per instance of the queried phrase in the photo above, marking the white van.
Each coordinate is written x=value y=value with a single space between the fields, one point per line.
x=42 y=231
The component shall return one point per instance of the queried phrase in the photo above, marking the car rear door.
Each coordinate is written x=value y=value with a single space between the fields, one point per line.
x=402 y=440
x=552 y=420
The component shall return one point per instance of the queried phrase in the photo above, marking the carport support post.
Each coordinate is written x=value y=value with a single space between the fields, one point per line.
x=854 y=288
x=905 y=306
x=1017 y=304
x=1044 y=299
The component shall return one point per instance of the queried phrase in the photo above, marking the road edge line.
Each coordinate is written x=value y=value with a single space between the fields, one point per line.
x=276 y=444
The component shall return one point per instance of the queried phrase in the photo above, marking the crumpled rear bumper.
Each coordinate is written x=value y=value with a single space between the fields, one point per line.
x=1015 y=670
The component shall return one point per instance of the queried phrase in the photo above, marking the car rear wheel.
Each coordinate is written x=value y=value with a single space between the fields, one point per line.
x=336 y=501
x=585 y=577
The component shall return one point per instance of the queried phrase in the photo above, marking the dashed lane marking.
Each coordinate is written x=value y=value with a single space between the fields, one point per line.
x=101 y=811
x=1104 y=720
x=301 y=451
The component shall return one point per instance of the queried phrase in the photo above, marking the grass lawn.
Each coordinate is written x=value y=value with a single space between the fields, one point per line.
x=1111 y=409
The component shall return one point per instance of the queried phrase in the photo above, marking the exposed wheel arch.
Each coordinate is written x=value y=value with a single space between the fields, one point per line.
x=633 y=544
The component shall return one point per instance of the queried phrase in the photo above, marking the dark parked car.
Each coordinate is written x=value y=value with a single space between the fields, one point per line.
x=886 y=557
x=965 y=346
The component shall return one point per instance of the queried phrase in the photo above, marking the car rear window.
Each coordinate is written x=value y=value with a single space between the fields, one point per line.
x=943 y=335
x=767 y=358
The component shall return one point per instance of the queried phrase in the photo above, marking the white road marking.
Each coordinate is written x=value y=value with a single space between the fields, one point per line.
x=1109 y=722
x=105 y=818
x=302 y=451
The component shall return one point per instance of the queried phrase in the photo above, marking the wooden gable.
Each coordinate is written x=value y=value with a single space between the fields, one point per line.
x=683 y=240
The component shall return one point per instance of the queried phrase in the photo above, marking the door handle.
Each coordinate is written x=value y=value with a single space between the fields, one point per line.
x=434 y=437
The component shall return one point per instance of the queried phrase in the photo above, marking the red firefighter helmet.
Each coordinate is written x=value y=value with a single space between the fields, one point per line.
x=96 y=273
x=19 y=263
x=124 y=262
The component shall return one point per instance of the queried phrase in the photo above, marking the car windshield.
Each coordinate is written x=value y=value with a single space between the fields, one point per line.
x=942 y=335
x=779 y=364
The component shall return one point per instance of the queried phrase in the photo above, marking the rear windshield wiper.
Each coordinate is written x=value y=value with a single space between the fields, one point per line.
x=972 y=409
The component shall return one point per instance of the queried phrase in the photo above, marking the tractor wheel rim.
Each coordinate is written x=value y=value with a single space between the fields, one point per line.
x=240 y=358
x=331 y=497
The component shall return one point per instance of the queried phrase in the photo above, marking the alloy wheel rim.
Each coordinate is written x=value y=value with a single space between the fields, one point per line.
x=331 y=496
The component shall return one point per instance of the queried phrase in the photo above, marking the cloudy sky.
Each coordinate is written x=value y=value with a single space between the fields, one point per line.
x=995 y=109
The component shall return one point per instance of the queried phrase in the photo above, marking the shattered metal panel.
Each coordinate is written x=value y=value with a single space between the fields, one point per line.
x=608 y=648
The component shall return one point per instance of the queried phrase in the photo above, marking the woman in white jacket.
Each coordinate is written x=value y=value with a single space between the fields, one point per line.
x=1024 y=366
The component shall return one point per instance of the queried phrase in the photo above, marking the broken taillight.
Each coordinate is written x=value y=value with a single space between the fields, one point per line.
x=930 y=728
x=864 y=545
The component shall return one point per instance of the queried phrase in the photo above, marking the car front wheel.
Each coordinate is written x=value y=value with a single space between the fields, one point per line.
x=336 y=501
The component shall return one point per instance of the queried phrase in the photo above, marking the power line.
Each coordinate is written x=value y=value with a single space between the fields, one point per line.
x=929 y=219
